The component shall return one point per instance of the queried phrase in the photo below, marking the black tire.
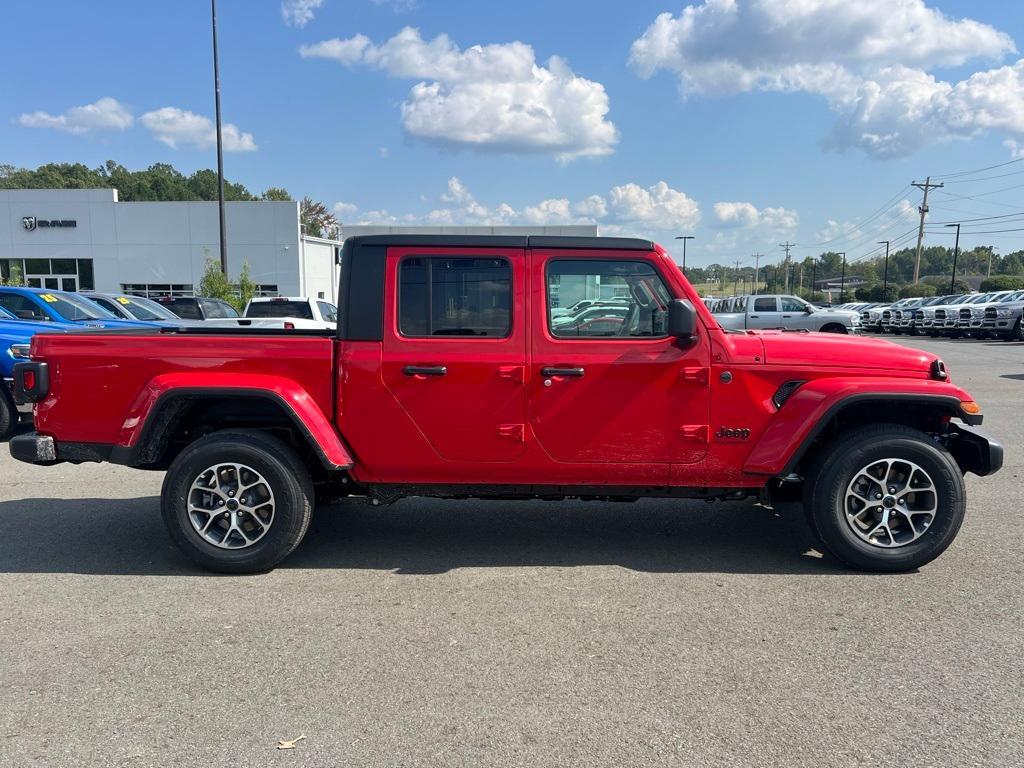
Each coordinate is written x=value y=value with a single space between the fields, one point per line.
x=8 y=416
x=285 y=474
x=834 y=328
x=834 y=469
x=1015 y=334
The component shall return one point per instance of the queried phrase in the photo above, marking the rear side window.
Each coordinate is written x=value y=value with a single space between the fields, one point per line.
x=328 y=311
x=219 y=309
x=629 y=299
x=765 y=305
x=187 y=309
x=280 y=308
x=444 y=296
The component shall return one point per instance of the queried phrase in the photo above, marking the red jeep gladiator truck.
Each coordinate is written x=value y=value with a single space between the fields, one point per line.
x=451 y=375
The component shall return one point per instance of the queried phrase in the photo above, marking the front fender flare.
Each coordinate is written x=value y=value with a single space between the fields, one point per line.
x=807 y=412
x=292 y=397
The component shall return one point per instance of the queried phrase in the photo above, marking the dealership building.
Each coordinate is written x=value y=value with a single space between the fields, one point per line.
x=86 y=239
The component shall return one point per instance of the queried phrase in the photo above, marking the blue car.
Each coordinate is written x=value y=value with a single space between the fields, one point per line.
x=15 y=336
x=41 y=305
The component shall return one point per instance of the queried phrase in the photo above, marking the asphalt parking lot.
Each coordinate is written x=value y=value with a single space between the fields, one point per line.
x=454 y=633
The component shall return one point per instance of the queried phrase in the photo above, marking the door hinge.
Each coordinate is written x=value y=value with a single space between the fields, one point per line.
x=696 y=375
x=697 y=433
x=516 y=373
x=511 y=431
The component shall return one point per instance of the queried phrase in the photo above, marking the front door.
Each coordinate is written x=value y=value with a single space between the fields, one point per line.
x=613 y=387
x=764 y=313
x=455 y=349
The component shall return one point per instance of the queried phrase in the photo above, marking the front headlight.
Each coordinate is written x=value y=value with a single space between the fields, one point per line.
x=1004 y=312
x=21 y=351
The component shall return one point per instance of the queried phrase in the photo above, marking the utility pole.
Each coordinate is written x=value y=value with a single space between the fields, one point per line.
x=842 y=280
x=923 y=209
x=814 y=270
x=787 y=245
x=757 y=266
x=956 y=252
x=990 y=249
x=885 y=281
x=684 y=238
x=220 y=147
x=736 y=277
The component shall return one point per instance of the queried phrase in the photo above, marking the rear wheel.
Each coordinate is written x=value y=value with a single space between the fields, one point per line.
x=1015 y=334
x=237 y=501
x=8 y=417
x=885 y=498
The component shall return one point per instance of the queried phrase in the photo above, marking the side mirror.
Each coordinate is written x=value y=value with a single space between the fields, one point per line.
x=809 y=309
x=682 y=320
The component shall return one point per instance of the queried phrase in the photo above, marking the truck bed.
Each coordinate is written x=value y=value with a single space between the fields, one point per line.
x=102 y=383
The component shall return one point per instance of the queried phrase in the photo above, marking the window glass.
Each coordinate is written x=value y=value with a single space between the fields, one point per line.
x=71 y=306
x=627 y=299
x=37 y=266
x=64 y=266
x=792 y=304
x=218 y=309
x=187 y=309
x=765 y=304
x=85 y=276
x=145 y=309
x=106 y=304
x=23 y=307
x=328 y=311
x=280 y=308
x=444 y=296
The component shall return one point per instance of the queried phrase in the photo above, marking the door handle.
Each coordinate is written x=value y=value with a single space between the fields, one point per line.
x=786 y=317
x=754 y=317
x=547 y=371
x=425 y=370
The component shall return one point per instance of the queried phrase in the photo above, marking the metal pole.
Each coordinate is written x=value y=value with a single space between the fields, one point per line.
x=885 y=282
x=814 y=270
x=684 y=238
x=220 y=146
x=956 y=253
x=842 y=281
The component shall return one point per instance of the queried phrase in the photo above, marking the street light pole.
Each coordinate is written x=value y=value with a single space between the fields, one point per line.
x=684 y=238
x=220 y=146
x=885 y=282
x=956 y=253
x=842 y=280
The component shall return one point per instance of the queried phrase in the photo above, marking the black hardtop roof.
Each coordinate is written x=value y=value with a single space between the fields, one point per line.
x=503 y=241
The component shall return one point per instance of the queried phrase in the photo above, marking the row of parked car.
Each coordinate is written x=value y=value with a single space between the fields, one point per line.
x=995 y=314
x=25 y=312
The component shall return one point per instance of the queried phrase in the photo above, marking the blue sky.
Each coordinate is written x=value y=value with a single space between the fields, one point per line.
x=652 y=119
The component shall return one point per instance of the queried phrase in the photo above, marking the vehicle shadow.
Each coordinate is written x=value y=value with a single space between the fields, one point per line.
x=426 y=536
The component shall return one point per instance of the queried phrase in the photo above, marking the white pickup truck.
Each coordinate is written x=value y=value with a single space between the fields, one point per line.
x=303 y=311
x=788 y=312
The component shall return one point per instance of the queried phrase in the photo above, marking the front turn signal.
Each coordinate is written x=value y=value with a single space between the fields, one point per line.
x=969 y=406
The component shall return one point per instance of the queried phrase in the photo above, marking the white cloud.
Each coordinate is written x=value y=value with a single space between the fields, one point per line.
x=298 y=13
x=102 y=115
x=626 y=209
x=748 y=216
x=486 y=97
x=868 y=59
x=345 y=210
x=179 y=128
x=658 y=206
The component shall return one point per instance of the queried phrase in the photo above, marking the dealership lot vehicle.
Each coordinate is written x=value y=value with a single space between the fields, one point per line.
x=60 y=307
x=556 y=606
x=1003 y=320
x=198 y=307
x=790 y=312
x=312 y=313
x=440 y=382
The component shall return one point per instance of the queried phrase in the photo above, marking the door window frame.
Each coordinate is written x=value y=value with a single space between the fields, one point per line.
x=550 y=258
x=397 y=328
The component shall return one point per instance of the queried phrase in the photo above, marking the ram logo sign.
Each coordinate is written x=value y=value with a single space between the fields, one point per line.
x=31 y=223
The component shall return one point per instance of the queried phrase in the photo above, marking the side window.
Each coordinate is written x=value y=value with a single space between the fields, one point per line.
x=792 y=304
x=107 y=305
x=450 y=296
x=23 y=307
x=765 y=304
x=329 y=312
x=219 y=309
x=628 y=299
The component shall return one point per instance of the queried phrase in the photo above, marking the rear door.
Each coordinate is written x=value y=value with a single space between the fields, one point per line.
x=454 y=350
x=764 y=313
x=618 y=389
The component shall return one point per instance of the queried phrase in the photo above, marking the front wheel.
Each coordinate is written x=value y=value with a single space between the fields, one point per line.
x=237 y=501
x=885 y=497
x=8 y=417
x=834 y=328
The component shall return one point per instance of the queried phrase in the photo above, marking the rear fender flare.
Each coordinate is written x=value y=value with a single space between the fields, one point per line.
x=806 y=414
x=162 y=392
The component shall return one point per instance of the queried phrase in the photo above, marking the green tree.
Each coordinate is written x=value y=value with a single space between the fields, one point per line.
x=317 y=220
x=918 y=290
x=1003 y=283
x=214 y=283
x=246 y=287
x=14 y=278
x=276 y=193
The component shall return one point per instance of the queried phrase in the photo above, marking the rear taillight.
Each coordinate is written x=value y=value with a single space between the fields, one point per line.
x=31 y=381
x=289 y=326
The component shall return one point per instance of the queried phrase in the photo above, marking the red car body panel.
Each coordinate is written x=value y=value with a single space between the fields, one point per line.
x=648 y=412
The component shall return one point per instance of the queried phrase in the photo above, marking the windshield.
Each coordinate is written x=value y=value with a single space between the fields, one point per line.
x=145 y=309
x=74 y=308
x=280 y=308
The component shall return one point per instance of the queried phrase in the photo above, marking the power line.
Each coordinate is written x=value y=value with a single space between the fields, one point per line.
x=979 y=170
